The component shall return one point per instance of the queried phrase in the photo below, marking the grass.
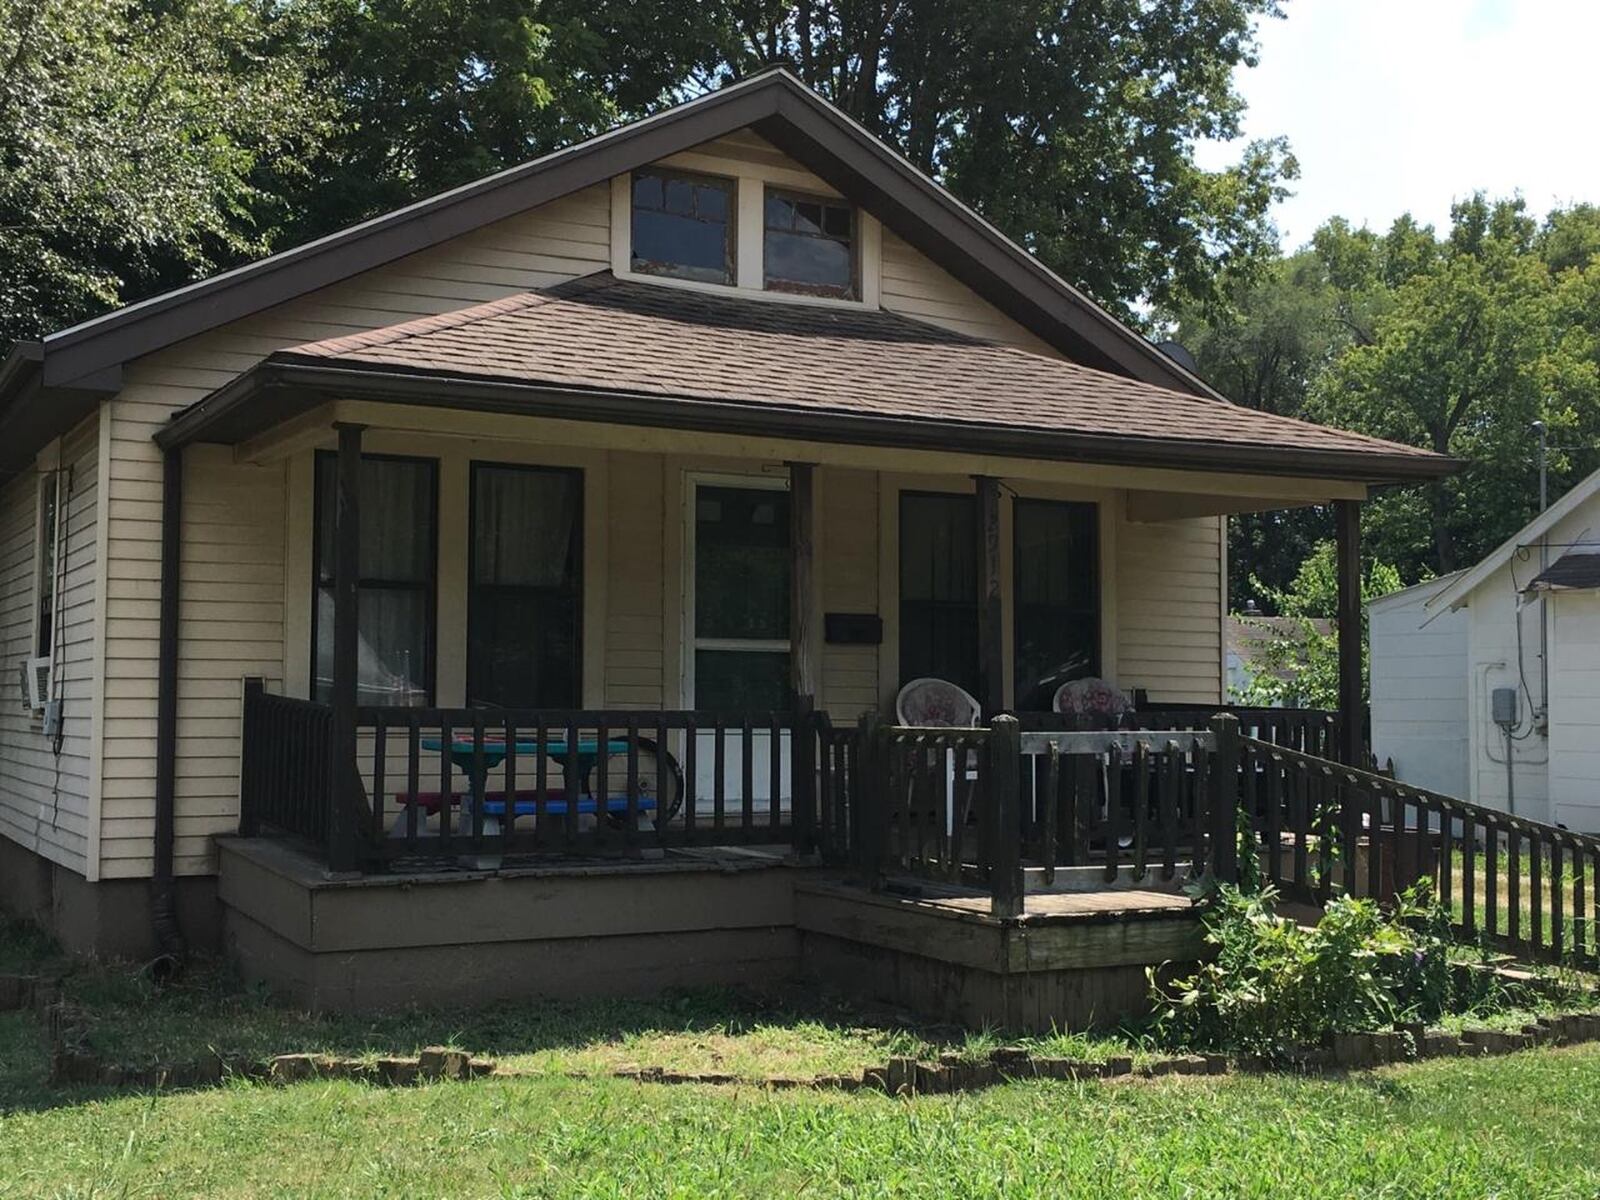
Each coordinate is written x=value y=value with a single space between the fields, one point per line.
x=745 y=1034
x=1520 y=1126
x=1523 y=1125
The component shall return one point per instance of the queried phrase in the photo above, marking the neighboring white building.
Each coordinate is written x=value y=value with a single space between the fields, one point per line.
x=1420 y=695
x=1534 y=600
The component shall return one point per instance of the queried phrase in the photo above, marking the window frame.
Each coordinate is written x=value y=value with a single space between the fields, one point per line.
x=730 y=242
x=47 y=567
x=578 y=574
x=906 y=676
x=430 y=587
x=1097 y=616
x=851 y=290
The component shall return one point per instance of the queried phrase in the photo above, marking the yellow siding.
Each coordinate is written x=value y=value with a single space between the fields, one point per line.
x=45 y=797
x=234 y=522
x=635 y=613
x=847 y=548
x=1169 y=609
x=911 y=283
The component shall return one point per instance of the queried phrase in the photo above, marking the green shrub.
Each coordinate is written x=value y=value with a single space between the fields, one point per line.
x=1274 y=984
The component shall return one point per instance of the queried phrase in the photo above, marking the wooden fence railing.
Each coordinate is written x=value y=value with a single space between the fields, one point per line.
x=501 y=781
x=978 y=806
x=1521 y=885
x=432 y=783
x=283 y=777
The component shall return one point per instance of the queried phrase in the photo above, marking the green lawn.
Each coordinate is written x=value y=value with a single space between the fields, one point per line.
x=1522 y=1126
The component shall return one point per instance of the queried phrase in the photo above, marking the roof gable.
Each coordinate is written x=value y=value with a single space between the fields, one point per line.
x=775 y=105
x=1456 y=594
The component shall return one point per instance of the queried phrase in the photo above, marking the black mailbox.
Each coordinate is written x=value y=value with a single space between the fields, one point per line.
x=853 y=629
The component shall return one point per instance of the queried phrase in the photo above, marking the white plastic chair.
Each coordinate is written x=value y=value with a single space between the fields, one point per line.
x=938 y=702
x=930 y=701
x=1091 y=697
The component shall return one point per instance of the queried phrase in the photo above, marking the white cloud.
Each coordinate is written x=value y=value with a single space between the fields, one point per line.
x=1405 y=105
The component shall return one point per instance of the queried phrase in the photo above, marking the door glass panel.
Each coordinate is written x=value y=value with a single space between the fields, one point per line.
x=741 y=680
x=741 y=569
x=1057 y=597
x=939 y=588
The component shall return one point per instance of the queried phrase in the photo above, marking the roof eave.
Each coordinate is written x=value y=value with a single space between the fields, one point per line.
x=233 y=413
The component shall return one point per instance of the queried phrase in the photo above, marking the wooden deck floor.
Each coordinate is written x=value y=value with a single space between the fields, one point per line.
x=1119 y=902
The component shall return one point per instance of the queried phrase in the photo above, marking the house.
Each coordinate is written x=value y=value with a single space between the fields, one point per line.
x=1420 y=694
x=581 y=511
x=1531 y=611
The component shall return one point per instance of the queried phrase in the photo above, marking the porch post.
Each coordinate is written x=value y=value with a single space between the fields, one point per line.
x=803 y=651
x=991 y=659
x=802 y=579
x=342 y=851
x=1347 y=521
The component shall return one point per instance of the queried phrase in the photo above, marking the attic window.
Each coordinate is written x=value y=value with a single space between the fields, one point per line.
x=683 y=226
x=810 y=245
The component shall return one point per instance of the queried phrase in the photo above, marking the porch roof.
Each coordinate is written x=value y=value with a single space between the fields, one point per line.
x=600 y=348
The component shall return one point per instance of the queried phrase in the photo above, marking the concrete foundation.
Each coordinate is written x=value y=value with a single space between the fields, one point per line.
x=466 y=937
x=111 y=918
x=1074 y=961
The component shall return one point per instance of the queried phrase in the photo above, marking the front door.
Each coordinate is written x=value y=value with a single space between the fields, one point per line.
x=738 y=634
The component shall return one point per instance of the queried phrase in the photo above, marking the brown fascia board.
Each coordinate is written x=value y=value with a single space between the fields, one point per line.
x=280 y=388
x=31 y=413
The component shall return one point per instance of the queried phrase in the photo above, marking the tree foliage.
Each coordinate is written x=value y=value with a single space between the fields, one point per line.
x=1303 y=669
x=130 y=135
x=1456 y=342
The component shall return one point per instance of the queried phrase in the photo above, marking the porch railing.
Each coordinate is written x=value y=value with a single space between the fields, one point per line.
x=283 y=777
x=445 y=782
x=1520 y=885
x=981 y=806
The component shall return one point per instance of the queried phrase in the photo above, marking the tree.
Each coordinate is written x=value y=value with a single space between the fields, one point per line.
x=1472 y=349
x=129 y=134
x=1072 y=127
x=431 y=94
x=1303 y=669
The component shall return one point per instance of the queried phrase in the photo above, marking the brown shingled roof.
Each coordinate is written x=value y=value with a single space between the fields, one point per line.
x=615 y=336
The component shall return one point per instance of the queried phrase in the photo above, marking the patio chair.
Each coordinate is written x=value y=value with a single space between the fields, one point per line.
x=929 y=701
x=1093 y=701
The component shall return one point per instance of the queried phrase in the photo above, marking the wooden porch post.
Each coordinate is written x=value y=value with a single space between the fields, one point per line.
x=803 y=649
x=991 y=658
x=802 y=579
x=1347 y=521
x=342 y=849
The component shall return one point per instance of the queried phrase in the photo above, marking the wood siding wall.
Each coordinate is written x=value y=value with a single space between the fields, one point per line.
x=1169 y=609
x=46 y=798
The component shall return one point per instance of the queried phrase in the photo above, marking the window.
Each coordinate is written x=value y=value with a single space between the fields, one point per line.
x=939 y=588
x=524 y=606
x=683 y=226
x=45 y=618
x=809 y=245
x=1057 y=591
x=394 y=649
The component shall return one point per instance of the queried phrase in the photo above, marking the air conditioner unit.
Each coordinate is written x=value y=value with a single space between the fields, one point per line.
x=35 y=682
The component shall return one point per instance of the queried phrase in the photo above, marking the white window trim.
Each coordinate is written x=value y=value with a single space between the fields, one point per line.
x=749 y=240
x=691 y=485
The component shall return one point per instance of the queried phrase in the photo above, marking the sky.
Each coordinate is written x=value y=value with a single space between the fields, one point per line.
x=1405 y=105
